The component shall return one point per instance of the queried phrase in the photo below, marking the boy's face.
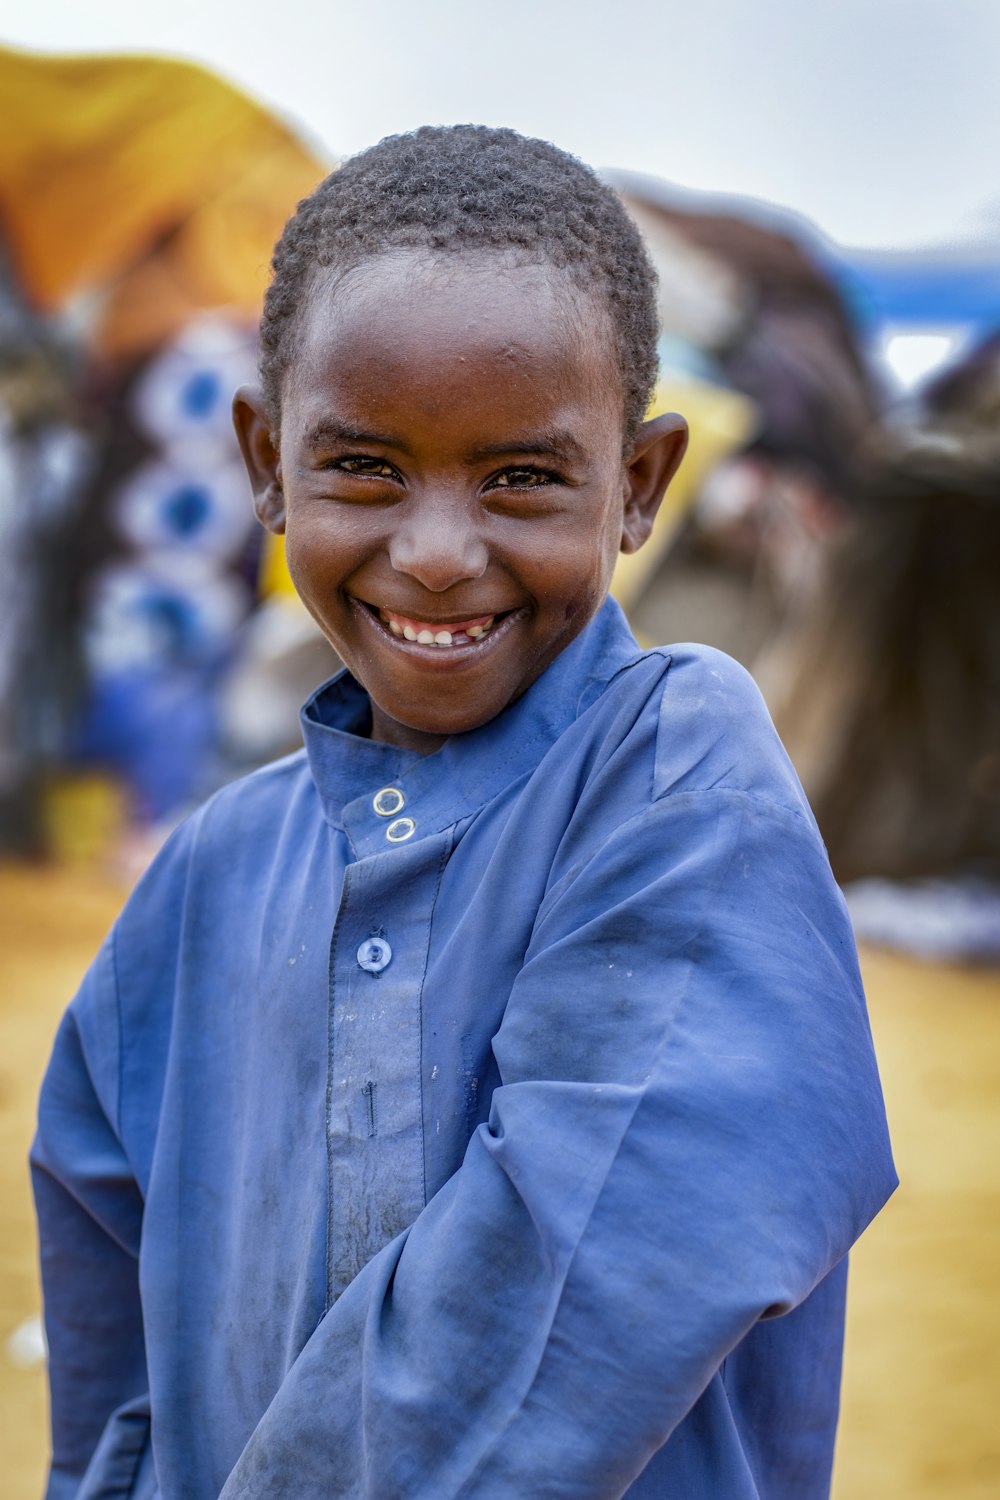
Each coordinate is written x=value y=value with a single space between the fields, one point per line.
x=450 y=482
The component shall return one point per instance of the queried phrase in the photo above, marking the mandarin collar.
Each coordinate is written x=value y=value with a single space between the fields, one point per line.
x=423 y=794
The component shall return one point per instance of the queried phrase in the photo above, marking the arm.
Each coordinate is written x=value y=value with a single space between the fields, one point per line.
x=89 y=1215
x=688 y=1136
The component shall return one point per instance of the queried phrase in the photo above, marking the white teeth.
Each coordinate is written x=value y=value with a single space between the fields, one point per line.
x=427 y=637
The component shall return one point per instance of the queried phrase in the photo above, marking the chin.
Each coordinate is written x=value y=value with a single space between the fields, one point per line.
x=427 y=726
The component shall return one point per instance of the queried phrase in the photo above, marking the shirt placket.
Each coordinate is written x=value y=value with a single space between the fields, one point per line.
x=378 y=959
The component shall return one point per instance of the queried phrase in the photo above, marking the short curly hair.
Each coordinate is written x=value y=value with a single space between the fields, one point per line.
x=470 y=187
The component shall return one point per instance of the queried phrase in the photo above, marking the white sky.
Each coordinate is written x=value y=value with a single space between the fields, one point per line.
x=878 y=119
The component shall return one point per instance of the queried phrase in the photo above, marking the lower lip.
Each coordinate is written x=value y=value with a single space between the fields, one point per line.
x=442 y=658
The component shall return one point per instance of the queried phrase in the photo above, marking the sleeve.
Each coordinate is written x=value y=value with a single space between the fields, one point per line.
x=688 y=1136
x=89 y=1210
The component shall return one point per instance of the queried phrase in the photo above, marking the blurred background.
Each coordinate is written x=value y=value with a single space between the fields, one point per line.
x=819 y=191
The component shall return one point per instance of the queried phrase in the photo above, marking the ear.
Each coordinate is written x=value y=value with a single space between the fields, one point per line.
x=656 y=455
x=260 y=454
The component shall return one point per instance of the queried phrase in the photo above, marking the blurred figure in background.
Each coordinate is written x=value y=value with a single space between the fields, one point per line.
x=44 y=463
x=171 y=559
x=139 y=199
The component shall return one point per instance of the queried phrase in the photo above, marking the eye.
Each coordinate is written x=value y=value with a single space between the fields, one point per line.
x=364 y=464
x=522 y=479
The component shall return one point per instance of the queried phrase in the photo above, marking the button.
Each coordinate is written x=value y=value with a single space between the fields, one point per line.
x=388 y=801
x=400 y=830
x=374 y=955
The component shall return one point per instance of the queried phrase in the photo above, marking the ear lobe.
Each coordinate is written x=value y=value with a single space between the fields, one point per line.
x=261 y=457
x=659 y=446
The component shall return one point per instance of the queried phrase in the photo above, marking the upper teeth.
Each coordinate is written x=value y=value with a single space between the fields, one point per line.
x=427 y=635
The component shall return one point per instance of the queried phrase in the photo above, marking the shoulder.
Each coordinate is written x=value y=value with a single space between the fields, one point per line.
x=265 y=796
x=241 y=813
x=715 y=733
x=672 y=759
x=695 y=723
x=211 y=857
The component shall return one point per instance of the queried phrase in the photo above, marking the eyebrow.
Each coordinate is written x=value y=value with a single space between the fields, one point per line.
x=550 y=444
x=329 y=431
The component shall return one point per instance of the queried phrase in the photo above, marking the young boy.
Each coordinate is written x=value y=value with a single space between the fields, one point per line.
x=479 y=1103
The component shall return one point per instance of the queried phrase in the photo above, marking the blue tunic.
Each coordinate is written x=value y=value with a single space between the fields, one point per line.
x=501 y=1135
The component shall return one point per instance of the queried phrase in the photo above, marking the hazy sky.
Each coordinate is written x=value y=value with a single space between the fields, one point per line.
x=879 y=119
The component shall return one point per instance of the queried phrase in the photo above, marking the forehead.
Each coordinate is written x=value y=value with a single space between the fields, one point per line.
x=451 y=333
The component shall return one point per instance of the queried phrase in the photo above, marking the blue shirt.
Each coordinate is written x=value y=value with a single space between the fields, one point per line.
x=490 y=1124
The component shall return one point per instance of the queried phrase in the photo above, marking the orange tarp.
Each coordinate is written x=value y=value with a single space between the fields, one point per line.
x=103 y=159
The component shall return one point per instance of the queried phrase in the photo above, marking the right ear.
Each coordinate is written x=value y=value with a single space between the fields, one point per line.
x=260 y=454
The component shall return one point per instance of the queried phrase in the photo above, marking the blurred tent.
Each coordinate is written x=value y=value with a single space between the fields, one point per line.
x=945 y=291
x=148 y=181
x=965 y=399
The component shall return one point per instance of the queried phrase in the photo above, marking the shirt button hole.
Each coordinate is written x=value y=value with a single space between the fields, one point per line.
x=388 y=801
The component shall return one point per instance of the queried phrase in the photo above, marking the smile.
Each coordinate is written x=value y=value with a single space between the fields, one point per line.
x=436 y=634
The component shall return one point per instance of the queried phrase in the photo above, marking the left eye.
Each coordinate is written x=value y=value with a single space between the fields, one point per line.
x=521 y=479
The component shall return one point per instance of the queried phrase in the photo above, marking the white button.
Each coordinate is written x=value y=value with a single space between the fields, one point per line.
x=374 y=955
x=388 y=801
x=400 y=830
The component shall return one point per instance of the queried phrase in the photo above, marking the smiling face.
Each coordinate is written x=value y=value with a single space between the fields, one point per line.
x=450 y=481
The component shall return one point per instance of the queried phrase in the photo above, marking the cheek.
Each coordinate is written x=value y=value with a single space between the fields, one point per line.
x=605 y=540
x=321 y=542
x=303 y=563
x=579 y=573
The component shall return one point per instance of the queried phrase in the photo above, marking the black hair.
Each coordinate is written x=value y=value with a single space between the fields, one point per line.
x=469 y=187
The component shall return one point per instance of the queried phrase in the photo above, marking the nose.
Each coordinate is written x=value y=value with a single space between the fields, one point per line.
x=438 y=543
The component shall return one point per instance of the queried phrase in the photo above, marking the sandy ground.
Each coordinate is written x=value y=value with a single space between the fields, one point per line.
x=923 y=1358
x=51 y=924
